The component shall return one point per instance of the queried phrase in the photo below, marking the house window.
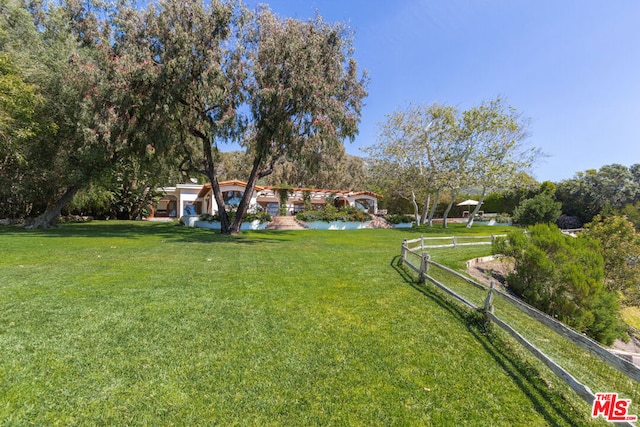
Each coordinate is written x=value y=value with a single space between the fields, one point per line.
x=232 y=198
x=189 y=208
x=365 y=205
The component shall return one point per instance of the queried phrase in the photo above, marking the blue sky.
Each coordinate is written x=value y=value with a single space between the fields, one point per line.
x=572 y=67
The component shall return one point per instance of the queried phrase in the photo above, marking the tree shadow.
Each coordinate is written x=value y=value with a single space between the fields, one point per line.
x=553 y=405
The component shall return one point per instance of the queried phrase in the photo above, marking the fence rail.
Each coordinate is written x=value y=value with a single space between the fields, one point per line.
x=455 y=241
x=414 y=257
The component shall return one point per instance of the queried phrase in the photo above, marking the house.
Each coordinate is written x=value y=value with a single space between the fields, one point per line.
x=197 y=199
x=176 y=202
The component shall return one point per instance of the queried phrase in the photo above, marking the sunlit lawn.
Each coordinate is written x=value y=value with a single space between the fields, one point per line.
x=122 y=323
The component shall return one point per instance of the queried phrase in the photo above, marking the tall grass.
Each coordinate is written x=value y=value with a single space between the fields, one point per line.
x=114 y=323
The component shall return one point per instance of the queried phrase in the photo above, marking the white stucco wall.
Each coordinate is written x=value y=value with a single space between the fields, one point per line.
x=186 y=193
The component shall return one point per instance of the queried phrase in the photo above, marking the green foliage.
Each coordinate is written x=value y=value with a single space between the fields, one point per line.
x=231 y=214
x=632 y=212
x=283 y=194
x=330 y=213
x=94 y=200
x=420 y=152
x=564 y=277
x=620 y=247
x=399 y=218
x=568 y=222
x=590 y=192
x=539 y=209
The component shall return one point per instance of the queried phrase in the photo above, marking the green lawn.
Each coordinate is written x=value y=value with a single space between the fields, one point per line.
x=131 y=323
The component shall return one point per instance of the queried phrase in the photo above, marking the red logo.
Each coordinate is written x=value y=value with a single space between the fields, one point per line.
x=611 y=408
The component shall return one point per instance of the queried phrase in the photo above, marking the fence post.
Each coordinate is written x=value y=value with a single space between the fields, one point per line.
x=488 y=306
x=455 y=243
x=424 y=266
x=403 y=252
x=493 y=238
x=421 y=243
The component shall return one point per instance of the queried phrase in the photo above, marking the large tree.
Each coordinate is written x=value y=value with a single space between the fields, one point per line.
x=88 y=128
x=217 y=73
x=590 y=192
x=497 y=133
x=18 y=103
x=415 y=155
x=52 y=58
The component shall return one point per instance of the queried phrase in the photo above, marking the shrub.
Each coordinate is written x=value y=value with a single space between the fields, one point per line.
x=567 y=222
x=330 y=213
x=564 y=277
x=541 y=209
x=260 y=216
x=252 y=216
x=503 y=218
x=208 y=217
x=399 y=219
x=619 y=244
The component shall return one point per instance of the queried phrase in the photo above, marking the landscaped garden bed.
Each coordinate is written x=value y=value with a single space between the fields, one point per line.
x=330 y=218
x=253 y=221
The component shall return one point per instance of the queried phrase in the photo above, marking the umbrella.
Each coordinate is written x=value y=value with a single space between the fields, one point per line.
x=468 y=204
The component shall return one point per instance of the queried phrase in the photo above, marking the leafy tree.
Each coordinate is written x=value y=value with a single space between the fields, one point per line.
x=331 y=168
x=564 y=277
x=18 y=122
x=416 y=155
x=507 y=200
x=632 y=212
x=620 y=248
x=541 y=208
x=497 y=134
x=219 y=73
x=590 y=192
x=87 y=126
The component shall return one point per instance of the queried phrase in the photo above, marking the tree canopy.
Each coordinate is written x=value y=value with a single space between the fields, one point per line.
x=127 y=87
x=425 y=150
x=620 y=248
x=282 y=88
x=591 y=192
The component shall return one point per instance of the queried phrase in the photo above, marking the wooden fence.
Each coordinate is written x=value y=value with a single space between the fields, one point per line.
x=413 y=256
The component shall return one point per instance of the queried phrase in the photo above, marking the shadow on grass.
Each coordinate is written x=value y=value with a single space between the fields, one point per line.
x=167 y=231
x=552 y=405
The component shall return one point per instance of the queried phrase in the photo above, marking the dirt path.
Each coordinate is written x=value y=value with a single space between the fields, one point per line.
x=489 y=268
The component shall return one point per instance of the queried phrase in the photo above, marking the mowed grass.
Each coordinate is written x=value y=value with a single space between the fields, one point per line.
x=131 y=323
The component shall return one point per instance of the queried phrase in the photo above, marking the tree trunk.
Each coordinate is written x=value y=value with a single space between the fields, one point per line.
x=222 y=213
x=433 y=208
x=454 y=194
x=475 y=211
x=243 y=207
x=425 y=209
x=50 y=216
x=416 y=210
x=210 y=172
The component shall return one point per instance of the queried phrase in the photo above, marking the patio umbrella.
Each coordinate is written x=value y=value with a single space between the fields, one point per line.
x=468 y=203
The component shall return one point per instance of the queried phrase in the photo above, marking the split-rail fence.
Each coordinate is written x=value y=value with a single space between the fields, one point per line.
x=480 y=297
